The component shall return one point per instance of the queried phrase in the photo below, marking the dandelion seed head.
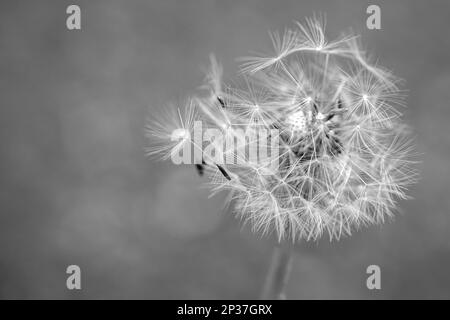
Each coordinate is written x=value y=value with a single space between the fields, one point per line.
x=345 y=158
x=297 y=121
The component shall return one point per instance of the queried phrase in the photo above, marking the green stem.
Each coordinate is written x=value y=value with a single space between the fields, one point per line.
x=278 y=274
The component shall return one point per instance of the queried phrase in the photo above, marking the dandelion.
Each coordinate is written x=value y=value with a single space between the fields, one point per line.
x=344 y=156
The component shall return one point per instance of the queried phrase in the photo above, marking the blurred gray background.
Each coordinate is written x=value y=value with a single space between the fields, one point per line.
x=76 y=188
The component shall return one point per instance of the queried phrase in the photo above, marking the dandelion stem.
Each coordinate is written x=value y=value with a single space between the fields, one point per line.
x=278 y=274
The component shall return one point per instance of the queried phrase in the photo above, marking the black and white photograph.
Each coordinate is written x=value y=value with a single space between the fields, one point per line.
x=224 y=155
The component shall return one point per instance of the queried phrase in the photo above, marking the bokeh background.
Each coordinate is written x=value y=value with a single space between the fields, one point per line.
x=76 y=188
